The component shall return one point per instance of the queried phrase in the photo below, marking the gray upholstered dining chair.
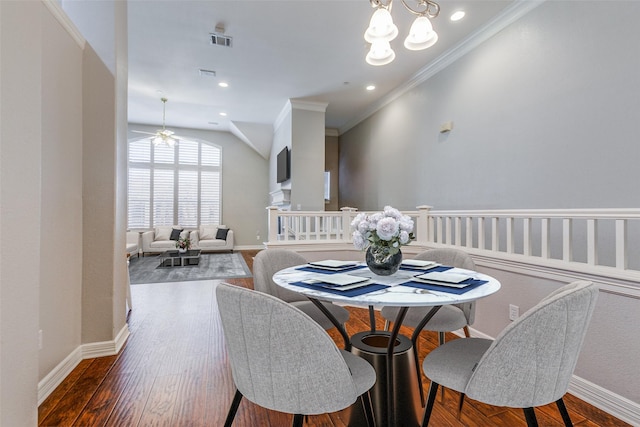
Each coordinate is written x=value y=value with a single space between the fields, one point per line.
x=450 y=317
x=529 y=364
x=284 y=361
x=269 y=261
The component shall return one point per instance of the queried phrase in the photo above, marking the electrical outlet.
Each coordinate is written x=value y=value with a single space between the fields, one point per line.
x=514 y=312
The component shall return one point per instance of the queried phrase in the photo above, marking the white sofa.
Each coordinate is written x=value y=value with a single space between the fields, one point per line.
x=133 y=243
x=159 y=239
x=209 y=238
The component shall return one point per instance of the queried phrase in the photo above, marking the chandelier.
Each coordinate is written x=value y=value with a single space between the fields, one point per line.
x=382 y=29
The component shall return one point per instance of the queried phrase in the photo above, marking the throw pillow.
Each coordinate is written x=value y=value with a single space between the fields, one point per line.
x=175 y=234
x=207 y=233
x=162 y=233
x=222 y=233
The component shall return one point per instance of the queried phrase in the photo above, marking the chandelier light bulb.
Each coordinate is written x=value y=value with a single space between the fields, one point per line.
x=381 y=27
x=380 y=53
x=421 y=35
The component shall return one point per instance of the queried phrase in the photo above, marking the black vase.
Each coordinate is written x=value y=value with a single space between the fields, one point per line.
x=380 y=262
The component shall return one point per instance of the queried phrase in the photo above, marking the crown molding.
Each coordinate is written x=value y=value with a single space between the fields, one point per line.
x=508 y=16
x=62 y=18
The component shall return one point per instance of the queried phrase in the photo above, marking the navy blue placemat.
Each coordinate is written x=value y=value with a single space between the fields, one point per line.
x=326 y=271
x=428 y=270
x=458 y=291
x=349 y=293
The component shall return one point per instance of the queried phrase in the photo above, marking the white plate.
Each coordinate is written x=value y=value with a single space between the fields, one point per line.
x=332 y=263
x=337 y=279
x=417 y=263
x=444 y=277
x=434 y=282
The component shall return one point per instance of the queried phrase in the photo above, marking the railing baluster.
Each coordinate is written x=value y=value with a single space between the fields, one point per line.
x=509 y=235
x=440 y=238
x=458 y=231
x=621 y=244
x=545 y=249
x=481 y=233
x=592 y=244
x=567 y=246
x=469 y=238
x=448 y=231
x=494 y=234
x=526 y=238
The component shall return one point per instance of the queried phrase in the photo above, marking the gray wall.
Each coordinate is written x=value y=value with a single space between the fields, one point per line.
x=21 y=135
x=245 y=184
x=545 y=116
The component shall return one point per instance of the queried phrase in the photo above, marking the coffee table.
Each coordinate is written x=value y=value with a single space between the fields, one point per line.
x=180 y=259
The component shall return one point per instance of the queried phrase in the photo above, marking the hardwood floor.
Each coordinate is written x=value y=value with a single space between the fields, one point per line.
x=173 y=371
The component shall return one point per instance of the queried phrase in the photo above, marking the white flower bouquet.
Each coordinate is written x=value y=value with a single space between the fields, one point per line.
x=383 y=231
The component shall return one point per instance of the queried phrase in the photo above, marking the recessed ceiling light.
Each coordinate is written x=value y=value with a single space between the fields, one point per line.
x=371 y=87
x=223 y=114
x=458 y=15
x=223 y=84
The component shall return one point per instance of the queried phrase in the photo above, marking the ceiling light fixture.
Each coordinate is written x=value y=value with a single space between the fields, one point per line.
x=164 y=135
x=382 y=29
x=223 y=84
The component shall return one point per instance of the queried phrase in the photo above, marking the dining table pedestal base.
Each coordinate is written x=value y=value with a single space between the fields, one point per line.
x=407 y=408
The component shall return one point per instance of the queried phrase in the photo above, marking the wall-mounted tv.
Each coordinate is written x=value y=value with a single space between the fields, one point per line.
x=284 y=165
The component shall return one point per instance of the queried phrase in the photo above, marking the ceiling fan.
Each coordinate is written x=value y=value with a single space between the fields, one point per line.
x=164 y=135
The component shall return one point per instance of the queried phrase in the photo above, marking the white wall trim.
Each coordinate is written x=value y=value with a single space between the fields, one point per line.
x=106 y=348
x=54 y=378
x=85 y=351
x=601 y=398
x=505 y=18
x=62 y=18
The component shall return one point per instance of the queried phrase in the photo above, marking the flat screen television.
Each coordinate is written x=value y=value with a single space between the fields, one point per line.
x=284 y=165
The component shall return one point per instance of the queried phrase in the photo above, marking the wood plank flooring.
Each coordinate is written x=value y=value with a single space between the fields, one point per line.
x=173 y=371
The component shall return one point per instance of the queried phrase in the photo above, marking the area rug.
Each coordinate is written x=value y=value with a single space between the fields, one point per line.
x=211 y=266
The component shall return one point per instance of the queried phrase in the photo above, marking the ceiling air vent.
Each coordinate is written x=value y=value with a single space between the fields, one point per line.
x=220 y=39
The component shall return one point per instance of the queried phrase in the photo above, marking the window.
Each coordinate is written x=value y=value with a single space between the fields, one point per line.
x=173 y=185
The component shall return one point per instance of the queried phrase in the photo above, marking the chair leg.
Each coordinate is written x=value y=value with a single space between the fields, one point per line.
x=386 y=325
x=564 y=413
x=233 y=409
x=433 y=390
x=460 y=403
x=368 y=409
x=298 y=420
x=466 y=331
x=530 y=416
x=441 y=340
x=418 y=370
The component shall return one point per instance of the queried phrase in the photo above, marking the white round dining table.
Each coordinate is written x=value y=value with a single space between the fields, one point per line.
x=399 y=290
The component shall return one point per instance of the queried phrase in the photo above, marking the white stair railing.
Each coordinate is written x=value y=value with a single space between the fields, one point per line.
x=607 y=238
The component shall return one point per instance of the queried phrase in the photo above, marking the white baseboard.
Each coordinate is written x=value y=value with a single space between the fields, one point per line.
x=85 y=351
x=603 y=399
x=58 y=374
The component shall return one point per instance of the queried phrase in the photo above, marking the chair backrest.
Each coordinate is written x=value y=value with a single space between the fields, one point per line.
x=454 y=258
x=280 y=358
x=532 y=360
x=269 y=261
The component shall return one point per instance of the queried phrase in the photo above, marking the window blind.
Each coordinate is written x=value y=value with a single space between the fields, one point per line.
x=178 y=185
